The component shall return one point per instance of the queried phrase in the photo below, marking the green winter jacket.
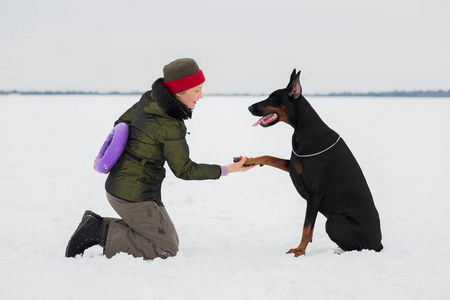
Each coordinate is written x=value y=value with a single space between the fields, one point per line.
x=157 y=134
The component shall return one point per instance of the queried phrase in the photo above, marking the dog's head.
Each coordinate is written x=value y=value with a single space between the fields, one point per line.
x=276 y=108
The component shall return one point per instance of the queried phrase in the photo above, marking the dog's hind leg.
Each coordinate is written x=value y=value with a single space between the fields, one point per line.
x=345 y=234
x=282 y=164
x=349 y=235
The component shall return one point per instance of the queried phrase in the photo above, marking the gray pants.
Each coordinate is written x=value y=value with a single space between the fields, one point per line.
x=145 y=230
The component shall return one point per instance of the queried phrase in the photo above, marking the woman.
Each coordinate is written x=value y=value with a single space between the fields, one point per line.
x=133 y=188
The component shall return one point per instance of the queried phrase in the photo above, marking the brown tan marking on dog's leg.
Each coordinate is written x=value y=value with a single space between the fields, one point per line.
x=307 y=236
x=282 y=164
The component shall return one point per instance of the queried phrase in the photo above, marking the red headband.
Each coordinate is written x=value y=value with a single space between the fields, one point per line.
x=183 y=84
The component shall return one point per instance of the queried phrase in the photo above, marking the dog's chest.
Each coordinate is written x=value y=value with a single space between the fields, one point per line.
x=295 y=142
x=296 y=174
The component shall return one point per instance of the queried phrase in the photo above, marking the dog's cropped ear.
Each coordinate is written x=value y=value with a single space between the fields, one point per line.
x=291 y=79
x=294 y=86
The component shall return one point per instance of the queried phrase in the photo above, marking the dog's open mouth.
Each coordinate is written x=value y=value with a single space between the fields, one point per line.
x=267 y=120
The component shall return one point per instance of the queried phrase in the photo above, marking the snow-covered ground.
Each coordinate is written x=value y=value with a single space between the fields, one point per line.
x=234 y=231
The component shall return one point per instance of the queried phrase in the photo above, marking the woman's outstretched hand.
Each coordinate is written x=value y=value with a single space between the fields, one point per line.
x=239 y=166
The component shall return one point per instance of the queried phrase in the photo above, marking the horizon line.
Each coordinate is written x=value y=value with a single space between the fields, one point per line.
x=394 y=93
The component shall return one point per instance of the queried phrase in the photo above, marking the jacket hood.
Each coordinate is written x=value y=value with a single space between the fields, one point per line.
x=169 y=103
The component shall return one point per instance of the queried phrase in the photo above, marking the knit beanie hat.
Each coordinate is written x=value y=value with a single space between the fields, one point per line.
x=182 y=74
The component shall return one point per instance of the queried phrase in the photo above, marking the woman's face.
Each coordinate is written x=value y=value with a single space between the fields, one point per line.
x=190 y=97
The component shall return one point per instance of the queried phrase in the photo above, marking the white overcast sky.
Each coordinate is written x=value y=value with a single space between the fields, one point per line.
x=242 y=46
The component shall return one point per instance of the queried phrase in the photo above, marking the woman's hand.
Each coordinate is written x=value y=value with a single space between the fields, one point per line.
x=239 y=166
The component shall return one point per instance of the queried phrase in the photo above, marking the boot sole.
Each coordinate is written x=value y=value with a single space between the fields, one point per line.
x=91 y=213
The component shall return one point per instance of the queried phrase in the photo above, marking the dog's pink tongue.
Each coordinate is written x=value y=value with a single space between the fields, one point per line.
x=265 y=118
x=259 y=122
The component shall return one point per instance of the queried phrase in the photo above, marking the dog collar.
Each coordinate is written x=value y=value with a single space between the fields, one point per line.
x=309 y=155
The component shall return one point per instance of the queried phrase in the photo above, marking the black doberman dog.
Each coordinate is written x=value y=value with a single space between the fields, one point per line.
x=324 y=172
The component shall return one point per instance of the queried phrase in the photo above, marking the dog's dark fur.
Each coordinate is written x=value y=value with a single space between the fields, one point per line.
x=331 y=182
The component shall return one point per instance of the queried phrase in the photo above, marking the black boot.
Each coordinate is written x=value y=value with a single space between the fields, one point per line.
x=90 y=232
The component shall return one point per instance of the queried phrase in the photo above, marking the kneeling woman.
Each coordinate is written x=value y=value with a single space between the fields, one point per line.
x=133 y=188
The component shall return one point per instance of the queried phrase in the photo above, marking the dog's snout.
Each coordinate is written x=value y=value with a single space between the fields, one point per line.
x=251 y=108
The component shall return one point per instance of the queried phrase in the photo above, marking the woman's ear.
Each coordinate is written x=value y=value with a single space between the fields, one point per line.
x=180 y=93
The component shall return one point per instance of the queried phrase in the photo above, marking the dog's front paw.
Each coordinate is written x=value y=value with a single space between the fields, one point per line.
x=237 y=159
x=247 y=163
x=297 y=252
